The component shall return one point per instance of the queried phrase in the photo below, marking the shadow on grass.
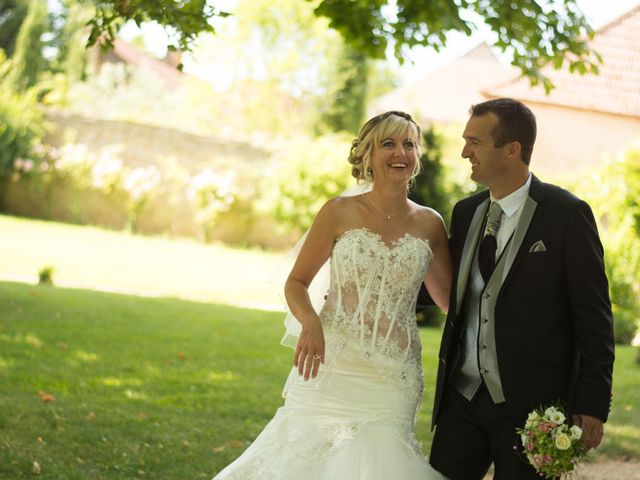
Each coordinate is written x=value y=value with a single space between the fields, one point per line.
x=101 y=385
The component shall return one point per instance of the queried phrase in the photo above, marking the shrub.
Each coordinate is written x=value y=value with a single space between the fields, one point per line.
x=21 y=126
x=306 y=173
x=45 y=276
x=614 y=194
x=217 y=194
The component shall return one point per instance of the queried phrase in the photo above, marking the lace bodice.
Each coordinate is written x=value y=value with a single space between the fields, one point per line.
x=372 y=296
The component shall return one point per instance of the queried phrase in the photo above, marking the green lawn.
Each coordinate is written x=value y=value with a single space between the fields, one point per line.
x=99 y=259
x=166 y=388
x=144 y=388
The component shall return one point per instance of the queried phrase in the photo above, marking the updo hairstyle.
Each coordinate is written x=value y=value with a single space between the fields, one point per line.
x=385 y=125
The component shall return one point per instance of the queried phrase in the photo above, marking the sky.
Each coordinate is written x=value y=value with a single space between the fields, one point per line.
x=421 y=60
x=597 y=12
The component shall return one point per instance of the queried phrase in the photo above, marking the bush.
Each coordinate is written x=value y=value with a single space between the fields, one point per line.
x=21 y=126
x=307 y=173
x=45 y=276
x=222 y=196
x=614 y=194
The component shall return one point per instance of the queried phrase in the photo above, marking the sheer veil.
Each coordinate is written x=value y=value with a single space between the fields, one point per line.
x=319 y=286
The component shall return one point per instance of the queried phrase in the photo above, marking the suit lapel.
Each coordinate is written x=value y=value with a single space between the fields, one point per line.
x=528 y=209
x=514 y=252
x=468 y=251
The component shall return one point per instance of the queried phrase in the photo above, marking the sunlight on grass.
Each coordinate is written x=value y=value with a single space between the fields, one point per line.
x=621 y=440
x=133 y=395
x=624 y=432
x=120 y=382
x=140 y=404
x=94 y=258
x=29 y=339
x=221 y=376
x=85 y=356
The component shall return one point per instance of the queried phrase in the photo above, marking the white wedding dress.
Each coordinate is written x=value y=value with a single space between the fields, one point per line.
x=355 y=421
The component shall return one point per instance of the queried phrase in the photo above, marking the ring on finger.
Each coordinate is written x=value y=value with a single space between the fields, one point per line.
x=317 y=356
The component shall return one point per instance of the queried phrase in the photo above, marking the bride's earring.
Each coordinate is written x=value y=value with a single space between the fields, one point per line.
x=369 y=173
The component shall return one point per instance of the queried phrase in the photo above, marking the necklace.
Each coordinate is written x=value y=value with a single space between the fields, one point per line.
x=387 y=215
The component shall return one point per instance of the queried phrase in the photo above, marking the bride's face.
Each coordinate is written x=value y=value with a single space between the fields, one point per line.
x=395 y=158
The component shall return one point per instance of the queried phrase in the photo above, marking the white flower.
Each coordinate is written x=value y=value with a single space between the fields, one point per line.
x=563 y=442
x=575 y=432
x=550 y=411
x=533 y=416
x=140 y=181
x=557 y=417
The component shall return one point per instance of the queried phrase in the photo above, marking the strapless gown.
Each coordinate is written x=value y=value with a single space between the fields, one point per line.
x=355 y=420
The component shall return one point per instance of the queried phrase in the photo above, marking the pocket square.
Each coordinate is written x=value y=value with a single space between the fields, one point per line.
x=538 y=247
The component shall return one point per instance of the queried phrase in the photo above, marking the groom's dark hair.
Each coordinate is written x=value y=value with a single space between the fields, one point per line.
x=516 y=123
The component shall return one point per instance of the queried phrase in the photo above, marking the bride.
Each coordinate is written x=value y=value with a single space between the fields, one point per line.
x=352 y=397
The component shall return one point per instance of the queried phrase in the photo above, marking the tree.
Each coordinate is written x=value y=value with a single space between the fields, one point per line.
x=270 y=62
x=12 y=14
x=70 y=38
x=21 y=127
x=536 y=33
x=184 y=19
x=427 y=190
x=28 y=60
x=342 y=107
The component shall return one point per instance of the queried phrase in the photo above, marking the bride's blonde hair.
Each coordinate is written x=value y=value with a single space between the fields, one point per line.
x=382 y=126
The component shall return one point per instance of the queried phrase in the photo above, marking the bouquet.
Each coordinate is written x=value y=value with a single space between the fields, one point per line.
x=551 y=446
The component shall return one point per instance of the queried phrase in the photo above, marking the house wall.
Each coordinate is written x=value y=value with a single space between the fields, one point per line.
x=573 y=142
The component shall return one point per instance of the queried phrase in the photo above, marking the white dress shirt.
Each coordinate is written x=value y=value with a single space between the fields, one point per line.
x=512 y=207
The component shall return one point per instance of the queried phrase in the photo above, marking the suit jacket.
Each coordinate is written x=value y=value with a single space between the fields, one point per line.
x=552 y=314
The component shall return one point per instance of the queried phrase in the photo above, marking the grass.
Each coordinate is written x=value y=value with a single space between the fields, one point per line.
x=157 y=388
x=89 y=257
x=166 y=388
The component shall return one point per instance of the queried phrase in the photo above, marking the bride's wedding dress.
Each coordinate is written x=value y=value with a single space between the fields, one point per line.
x=355 y=421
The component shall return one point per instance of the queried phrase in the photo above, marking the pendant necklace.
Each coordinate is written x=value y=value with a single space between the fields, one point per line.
x=388 y=216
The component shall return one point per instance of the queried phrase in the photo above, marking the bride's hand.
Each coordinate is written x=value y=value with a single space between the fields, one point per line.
x=310 y=350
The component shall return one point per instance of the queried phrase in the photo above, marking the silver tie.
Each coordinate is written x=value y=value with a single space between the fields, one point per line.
x=494 y=217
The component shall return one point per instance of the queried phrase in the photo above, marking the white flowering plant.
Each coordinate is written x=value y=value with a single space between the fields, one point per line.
x=550 y=444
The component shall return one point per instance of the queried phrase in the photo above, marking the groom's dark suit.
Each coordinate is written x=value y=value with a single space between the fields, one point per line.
x=548 y=304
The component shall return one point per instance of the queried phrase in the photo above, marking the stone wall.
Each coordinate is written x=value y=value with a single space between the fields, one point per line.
x=170 y=211
x=145 y=144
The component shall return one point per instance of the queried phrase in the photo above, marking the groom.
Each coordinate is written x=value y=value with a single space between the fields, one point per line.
x=529 y=320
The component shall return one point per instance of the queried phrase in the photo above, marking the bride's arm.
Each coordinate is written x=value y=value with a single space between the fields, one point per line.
x=313 y=255
x=438 y=277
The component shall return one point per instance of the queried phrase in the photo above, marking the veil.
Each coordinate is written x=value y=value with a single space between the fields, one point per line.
x=319 y=285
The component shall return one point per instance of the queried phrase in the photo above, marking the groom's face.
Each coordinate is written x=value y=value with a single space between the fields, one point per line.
x=489 y=164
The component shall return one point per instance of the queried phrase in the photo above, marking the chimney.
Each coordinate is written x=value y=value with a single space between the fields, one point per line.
x=173 y=58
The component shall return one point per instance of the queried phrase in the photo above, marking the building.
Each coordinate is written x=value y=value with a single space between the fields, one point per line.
x=581 y=122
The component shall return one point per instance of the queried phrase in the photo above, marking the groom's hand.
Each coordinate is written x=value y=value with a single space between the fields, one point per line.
x=592 y=430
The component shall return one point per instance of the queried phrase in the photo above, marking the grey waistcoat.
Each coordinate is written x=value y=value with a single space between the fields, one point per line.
x=478 y=360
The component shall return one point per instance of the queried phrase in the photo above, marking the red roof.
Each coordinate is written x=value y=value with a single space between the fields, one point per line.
x=133 y=55
x=615 y=90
